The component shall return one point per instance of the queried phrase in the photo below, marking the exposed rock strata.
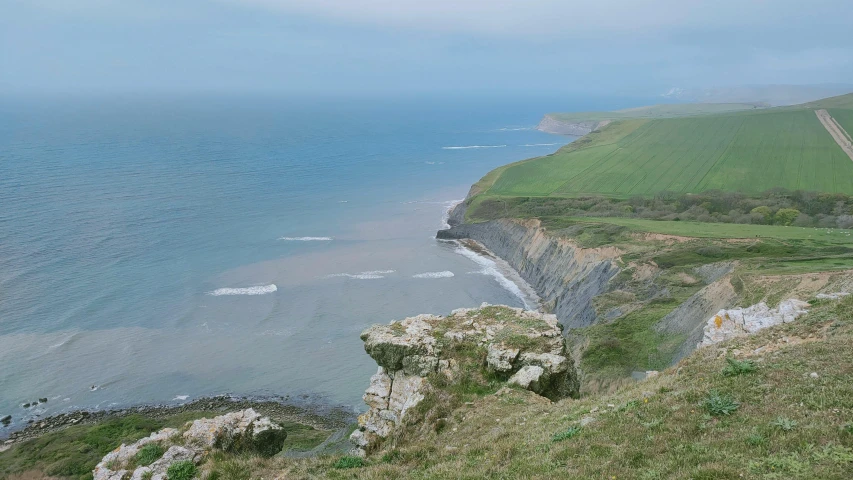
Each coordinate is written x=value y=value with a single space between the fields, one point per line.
x=737 y=322
x=564 y=275
x=524 y=348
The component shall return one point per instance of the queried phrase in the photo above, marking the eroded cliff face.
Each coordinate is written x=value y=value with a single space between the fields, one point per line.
x=551 y=124
x=565 y=276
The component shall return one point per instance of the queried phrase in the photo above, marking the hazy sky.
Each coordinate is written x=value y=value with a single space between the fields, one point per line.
x=413 y=45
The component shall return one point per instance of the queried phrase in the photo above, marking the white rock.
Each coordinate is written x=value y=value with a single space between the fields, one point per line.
x=738 y=322
x=500 y=358
x=527 y=377
x=814 y=375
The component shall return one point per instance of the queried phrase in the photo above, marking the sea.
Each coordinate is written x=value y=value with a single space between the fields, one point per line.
x=158 y=249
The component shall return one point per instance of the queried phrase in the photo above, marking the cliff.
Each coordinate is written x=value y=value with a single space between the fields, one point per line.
x=439 y=361
x=551 y=124
x=565 y=276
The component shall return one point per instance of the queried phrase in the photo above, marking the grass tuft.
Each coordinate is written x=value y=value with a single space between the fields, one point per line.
x=349 y=461
x=783 y=423
x=149 y=454
x=183 y=470
x=565 y=435
x=718 y=404
x=738 y=367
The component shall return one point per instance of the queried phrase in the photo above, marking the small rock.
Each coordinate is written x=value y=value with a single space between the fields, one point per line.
x=6 y=420
x=814 y=375
x=26 y=405
x=587 y=420
x=42 y=400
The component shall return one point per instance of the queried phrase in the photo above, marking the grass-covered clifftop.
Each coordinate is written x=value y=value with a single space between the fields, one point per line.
x=746 y=151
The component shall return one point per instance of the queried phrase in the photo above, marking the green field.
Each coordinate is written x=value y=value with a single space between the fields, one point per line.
x=727 y=230
x=749 y=152
x=656 y=111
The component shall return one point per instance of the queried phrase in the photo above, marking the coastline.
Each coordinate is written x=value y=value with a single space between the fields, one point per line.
x=314 y=414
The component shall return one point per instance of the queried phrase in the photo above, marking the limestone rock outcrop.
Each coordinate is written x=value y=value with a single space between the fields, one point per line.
x=737 y=322
x=523 y=348
x=200 y=437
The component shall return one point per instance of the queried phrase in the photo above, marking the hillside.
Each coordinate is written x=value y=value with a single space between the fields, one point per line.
x=748 y=152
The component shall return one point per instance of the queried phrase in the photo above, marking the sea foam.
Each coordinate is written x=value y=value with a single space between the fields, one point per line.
x=368 y=275
x=257 y=290
x=444 y=274
x=465 y=147
x=306 y=239
x=500 y=272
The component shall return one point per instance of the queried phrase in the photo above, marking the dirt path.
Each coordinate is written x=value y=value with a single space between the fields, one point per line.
x=842 y=138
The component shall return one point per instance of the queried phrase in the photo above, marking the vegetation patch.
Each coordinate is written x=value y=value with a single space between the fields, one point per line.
x=738 y=367
x=149 y=454
x=349 y=461
x=182 y=470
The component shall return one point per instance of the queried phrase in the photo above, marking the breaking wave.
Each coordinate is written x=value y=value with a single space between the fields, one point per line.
x=499 y=272
x=306 y=239
x=444 y=274
x=472 y=146
x=368 y=275
x=538 y=144
x=258 y=290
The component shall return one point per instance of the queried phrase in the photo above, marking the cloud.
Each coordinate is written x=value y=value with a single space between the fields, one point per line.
x=565 y=17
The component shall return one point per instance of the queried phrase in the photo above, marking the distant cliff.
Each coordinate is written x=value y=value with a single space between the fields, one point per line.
x=552 y=124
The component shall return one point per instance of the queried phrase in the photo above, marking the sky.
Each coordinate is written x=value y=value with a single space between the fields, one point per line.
x=401 y=46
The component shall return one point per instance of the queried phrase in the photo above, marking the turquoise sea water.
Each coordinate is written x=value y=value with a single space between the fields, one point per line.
x=159 y=249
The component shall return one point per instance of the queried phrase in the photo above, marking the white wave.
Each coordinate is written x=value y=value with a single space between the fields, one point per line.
x=434 y=163
x=448 y=207
x=306 y=239
x=538 y=144
x=465 y=147
x=514 y=129
x=500 y=271
x=181 y=397
x=444 y=274
x=343 y=201
x=257 y=290
x=368 y=275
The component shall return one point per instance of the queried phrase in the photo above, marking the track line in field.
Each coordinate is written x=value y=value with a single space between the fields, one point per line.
x=841 y=137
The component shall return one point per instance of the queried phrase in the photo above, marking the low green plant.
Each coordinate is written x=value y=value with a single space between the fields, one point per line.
x=149 y=454
x=734 y=367
x=784 y=424
x=565 y=435
x=349 y=461
x=183 y=470
x=718 y=404
x=756 y=440
x=147 y=475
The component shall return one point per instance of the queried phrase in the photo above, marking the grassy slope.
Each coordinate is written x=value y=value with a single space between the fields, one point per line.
x=655 y=111
x=788 y=425
x=737 y=151
x=740 y=152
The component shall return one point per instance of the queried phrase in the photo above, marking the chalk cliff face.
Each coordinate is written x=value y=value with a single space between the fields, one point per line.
x=551 y=124
x=470 y=346
x=565 y=276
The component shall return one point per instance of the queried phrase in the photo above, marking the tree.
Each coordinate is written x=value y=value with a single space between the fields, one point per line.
x=786 y=216
x=764 y=211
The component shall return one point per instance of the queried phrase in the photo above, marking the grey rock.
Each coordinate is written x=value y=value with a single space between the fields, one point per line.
x=565 y=276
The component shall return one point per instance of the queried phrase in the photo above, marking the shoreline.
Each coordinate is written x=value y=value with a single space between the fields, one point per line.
x=317 y=415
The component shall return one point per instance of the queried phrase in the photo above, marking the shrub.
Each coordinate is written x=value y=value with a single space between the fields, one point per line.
x=718 y=404
x=183 y=470
x=762 y=212
x=784 y=423
x=786 y=216
x=149 y=454
x=734 y=367
x=571 y=432
x=349 y=461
